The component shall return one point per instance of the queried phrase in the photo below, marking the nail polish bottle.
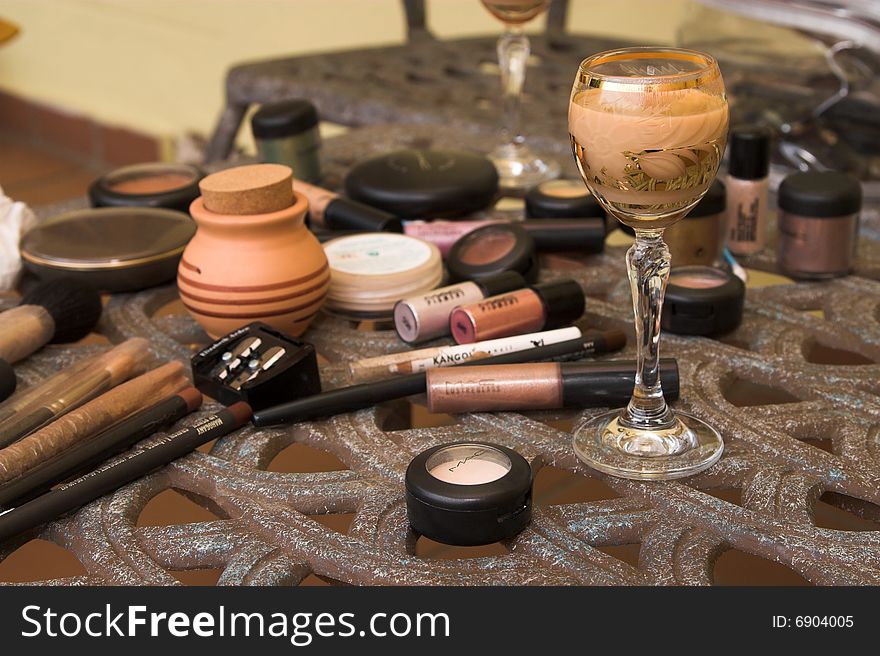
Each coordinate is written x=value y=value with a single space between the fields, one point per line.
x=747 y=189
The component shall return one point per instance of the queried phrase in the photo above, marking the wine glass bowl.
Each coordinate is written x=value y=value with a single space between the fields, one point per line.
x=648 y=128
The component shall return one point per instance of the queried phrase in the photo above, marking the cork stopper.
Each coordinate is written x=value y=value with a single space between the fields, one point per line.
x=254 y=189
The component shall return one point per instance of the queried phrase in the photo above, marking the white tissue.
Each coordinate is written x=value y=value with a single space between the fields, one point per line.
x=15 y=219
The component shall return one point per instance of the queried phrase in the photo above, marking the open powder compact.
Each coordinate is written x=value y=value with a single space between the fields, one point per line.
x=702 y=300
x=469 y=493
x=492 y=249
x=173 y=186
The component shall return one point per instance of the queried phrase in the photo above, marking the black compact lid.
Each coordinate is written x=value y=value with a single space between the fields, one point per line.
x=468 y=514
x=562 y=199
x=493 y=249
x=109 y=189
x=563 y=300
x=820 y=194
x=501 y=283
x=712 y=304
x=284 y=119
x=113 y=249
x=714 y=202
x=749 y=152
x=425 y=183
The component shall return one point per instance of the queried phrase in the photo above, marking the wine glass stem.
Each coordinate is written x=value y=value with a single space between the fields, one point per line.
x=513 y=53
x=647 y=264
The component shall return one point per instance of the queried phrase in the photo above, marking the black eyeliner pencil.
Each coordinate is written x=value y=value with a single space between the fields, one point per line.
x=357 y=397
x=83 y=457
x=118 y=472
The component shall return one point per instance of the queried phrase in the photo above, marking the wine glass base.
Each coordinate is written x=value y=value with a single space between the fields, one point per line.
x=689 y=446
x=520 y=168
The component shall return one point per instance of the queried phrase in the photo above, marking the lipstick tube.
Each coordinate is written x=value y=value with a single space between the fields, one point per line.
x=409 y=362
x=424 y=317
x=540 y=386
x=540 y=307
x=332 y=211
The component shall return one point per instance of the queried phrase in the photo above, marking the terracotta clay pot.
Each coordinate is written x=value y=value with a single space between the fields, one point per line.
x=259 y=267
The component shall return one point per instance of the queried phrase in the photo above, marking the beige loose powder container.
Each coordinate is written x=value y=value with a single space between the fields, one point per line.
x=370 y=272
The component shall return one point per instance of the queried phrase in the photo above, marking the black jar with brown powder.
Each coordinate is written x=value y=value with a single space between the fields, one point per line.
x=818 y=224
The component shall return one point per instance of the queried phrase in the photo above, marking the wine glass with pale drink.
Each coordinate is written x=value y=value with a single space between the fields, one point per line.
x=648 y=129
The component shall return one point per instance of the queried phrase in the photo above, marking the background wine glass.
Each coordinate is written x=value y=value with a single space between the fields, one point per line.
x=648 y=129
x=518 y=167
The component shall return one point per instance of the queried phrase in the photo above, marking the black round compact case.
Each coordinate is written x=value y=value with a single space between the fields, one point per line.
x=172 y=186
x=469 y=493
x=416 y=183
x=114 y=249
x=493 y=249
x=702 y=300
x=562 y=199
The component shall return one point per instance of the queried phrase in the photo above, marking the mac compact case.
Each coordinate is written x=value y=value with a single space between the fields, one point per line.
x=562 y=199
x=172 y=186
x=492 y=249
x=468 y=493
x=818 y=224
x=702 y=300
x=426 y=316
x=424 y=183
x=540 y=307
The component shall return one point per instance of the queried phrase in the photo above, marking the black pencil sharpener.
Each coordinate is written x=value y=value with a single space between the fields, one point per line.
x=258 y=365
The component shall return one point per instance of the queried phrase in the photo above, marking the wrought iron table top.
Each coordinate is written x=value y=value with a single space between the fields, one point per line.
x=785 y=356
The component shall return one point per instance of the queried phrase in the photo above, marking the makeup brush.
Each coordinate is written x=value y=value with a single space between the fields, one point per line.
x=105 y=372
x=57 y=311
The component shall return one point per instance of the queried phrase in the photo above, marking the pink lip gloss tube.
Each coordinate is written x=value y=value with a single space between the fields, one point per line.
x=424 y=317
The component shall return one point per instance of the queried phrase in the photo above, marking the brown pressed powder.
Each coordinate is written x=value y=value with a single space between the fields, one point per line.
x=491 y=246
x=150 y=183
x=696 y=281
x=564 y=189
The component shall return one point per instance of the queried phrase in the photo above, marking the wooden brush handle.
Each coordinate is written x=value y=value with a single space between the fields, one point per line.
x=94 y=416
x=23 y=330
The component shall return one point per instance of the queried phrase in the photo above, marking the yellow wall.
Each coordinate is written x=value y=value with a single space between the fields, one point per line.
x=158 y=65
